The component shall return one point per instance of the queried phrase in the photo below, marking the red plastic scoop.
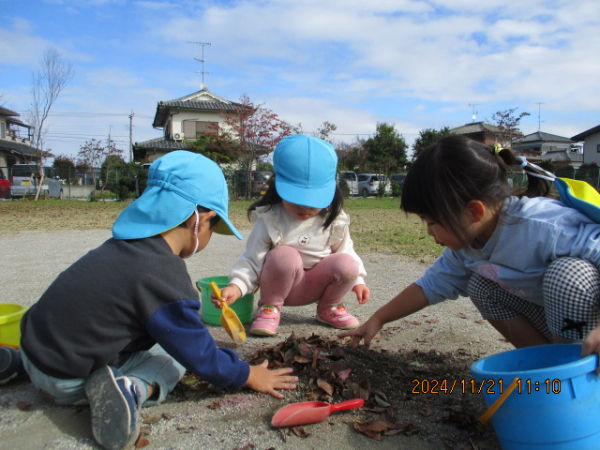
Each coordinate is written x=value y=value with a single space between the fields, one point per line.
x=310 y=412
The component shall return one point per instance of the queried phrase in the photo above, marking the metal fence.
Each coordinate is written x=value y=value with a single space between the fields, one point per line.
x=591 y=175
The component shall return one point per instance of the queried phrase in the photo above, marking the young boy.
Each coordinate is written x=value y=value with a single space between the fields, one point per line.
x=120 y=326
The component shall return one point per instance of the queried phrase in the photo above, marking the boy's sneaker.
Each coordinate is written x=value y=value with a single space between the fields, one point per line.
x=11 y=365
x=114 y=408
x=338 y=316
x=266 y=321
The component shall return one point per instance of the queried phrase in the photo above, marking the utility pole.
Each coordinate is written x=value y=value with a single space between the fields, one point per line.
x=203 y=44
x=131 y=137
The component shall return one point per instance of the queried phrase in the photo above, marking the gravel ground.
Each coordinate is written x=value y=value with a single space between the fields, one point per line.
x=32 y=259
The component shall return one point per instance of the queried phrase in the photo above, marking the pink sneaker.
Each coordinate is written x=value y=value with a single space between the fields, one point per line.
x=266 y=321
x=338 y=316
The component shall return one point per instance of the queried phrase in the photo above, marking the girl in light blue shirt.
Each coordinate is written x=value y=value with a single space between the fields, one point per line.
x=529 y=263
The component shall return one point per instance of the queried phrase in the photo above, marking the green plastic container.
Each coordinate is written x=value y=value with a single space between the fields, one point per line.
x=243 y=307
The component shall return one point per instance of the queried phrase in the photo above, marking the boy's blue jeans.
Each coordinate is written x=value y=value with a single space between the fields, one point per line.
x=154 y=366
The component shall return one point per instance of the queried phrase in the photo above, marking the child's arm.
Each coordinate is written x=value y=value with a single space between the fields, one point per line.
x=410 y=300
x=267 y=381
x=591 y=343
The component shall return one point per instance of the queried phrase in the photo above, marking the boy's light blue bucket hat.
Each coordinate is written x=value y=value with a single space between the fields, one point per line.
x=305 y=169
x=177 y=183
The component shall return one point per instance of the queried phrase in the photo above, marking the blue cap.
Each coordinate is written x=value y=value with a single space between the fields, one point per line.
x=305 y=170
x=177 y=183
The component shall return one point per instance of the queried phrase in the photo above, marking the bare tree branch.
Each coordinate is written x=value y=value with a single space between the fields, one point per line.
x=46 y=85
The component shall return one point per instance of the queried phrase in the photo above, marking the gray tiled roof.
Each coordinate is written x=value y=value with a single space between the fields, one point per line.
x=201 y=105
x=476 y=127
x=190 y=102
x=164 y=144
x=543 y=137
x=582 y=136
x=7 y=112
x=23 y=149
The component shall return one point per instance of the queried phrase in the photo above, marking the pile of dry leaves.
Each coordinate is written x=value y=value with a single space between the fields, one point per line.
x=403 y=391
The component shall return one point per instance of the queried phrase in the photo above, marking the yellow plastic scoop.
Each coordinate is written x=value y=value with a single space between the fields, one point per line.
x=229 y=318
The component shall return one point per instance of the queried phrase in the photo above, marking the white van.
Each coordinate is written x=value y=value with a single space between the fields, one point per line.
x=24 y=180
x=351 y=179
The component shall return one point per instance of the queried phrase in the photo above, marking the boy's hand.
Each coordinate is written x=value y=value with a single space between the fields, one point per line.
x=363 y=293
x=591 y=343
x=264 y=380
x=229 y=294
x=366 y=331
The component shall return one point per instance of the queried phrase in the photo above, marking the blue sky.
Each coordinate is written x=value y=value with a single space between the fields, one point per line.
x=416 y=64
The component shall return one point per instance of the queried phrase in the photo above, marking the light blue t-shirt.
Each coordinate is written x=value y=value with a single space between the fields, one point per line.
x=531 y=233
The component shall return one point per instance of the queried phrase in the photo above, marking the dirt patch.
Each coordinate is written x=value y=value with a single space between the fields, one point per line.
x=428 y=393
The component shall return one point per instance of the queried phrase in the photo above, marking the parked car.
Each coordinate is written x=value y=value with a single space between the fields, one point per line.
x=351 y=180
x=4 y=186
x=259 y=183
x=368 y=184
x=398 y=178
x=25 y=179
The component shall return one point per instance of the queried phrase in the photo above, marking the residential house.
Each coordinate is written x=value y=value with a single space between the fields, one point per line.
x=183 y=120
x=479 y=131
x=591 y=145
x=544 y=146
x=15 y=141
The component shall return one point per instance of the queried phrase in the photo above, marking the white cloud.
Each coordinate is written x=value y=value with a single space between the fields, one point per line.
x=417 y=64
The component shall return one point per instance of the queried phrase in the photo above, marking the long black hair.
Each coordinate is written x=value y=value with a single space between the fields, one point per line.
x=455 y=170
x=271 y=198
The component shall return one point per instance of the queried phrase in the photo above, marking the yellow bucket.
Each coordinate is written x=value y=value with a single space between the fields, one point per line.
x=10 y=324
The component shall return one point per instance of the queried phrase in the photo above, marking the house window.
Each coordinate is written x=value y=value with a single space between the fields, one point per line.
x=194 y=129
x=598 y=148
x=2 y=130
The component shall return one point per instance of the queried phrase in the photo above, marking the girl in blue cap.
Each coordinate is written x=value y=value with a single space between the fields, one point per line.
x=529 y=263
x=120 y=327
x=300 y=251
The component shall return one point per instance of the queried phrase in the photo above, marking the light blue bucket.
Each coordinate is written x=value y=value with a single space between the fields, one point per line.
x=555 y=407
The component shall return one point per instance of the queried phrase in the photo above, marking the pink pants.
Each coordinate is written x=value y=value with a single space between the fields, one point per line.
x=283 y=280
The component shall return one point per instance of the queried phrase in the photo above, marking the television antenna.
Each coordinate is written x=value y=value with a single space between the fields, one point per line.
x=474 y=114
x=539 y=115
x=203 y=44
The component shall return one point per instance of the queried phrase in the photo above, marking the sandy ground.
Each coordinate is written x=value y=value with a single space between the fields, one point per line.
x=32 y=259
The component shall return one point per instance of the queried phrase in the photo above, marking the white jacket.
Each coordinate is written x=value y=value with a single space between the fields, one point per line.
x=274 y=226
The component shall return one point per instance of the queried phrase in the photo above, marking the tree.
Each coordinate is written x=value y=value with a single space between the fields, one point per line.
x=386 y=150
x=65 y=167
x=113 y=161
x=47 y=84
x=220 y=150
x=352 y=156
x=427 y=137
x=325 y=130
x=253 y=131
x=508 y=126
x=94 y=153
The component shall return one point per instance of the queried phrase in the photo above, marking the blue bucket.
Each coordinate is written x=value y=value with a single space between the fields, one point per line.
x=556 y=405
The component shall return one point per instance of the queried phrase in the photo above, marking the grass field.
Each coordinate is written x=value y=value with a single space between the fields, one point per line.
x=377 y=224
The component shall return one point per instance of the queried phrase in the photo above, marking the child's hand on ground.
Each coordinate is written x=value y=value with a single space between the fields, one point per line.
x=591 y=343
x=366 y=331
x=229 y=294
x=363 y=293
x=264 y=380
